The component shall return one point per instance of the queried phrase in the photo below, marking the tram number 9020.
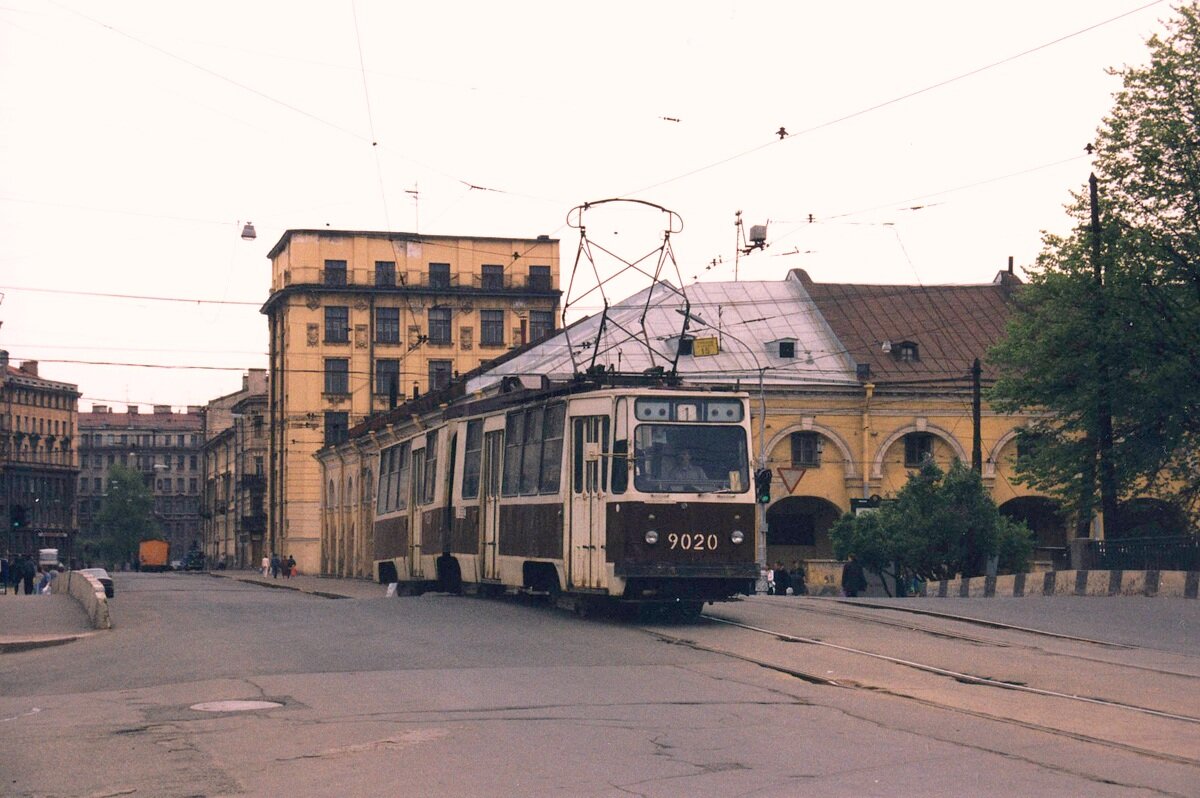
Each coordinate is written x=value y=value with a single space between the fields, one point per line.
x=692 y=541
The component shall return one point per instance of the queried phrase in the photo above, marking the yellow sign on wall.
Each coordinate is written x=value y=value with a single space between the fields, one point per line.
x=705 y=346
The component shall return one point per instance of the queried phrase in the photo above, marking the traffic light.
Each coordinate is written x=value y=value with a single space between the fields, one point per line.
x=17 y=516
x=762 y=486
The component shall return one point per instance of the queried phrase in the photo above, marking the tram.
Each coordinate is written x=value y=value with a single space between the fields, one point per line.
x=587 y=492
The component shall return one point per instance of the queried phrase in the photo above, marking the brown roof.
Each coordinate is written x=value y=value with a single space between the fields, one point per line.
x=950 y=324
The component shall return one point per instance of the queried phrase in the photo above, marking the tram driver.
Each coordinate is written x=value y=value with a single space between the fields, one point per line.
x=684 y=470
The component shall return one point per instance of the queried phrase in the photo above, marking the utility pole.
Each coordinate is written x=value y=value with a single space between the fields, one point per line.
x=976 y=403
x=1104 y=430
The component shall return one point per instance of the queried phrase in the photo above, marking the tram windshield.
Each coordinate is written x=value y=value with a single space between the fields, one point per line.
x=690 y=458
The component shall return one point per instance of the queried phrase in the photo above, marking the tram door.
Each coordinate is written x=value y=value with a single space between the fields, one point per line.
x=589 y=485
x=493 y=463
x=415 y=515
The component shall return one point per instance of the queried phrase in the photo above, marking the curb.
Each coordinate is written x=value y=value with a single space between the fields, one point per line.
x=1166 y=584
x=12 y=645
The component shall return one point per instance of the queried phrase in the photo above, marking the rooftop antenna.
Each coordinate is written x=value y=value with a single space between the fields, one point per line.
x=758 y=240
x=415 y=191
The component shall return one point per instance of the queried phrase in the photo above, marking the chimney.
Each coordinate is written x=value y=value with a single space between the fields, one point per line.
x=3 y=358
x=99 y=408
x=30 y=367
x=195 y=410
x=132 y=410
x=162 y=410
x=1010 y=264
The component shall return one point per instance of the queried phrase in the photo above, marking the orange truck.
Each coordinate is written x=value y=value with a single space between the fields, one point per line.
x=152 y=555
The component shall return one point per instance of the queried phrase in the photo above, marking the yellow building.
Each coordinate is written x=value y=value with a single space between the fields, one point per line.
x=360 y=321
x=235 y=452
x=39 y=463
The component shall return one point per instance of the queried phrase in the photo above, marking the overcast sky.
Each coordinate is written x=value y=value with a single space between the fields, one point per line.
x=928 y=140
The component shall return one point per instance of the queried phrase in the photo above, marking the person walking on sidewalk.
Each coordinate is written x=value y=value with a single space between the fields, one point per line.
x=266 y=565
x=275 y=565
x=290 y=567
x=28 y=571
x=854 y=581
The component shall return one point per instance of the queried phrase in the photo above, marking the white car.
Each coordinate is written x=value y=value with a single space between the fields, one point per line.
x=102 y=577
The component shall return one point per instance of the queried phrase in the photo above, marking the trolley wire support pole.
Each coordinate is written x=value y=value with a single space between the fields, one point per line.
x=1104 y=428
x=976 y=403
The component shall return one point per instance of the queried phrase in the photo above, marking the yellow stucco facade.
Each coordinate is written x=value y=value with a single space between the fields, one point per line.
x=359 y=319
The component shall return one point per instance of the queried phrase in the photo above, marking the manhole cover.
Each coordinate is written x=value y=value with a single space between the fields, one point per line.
x=234 y=706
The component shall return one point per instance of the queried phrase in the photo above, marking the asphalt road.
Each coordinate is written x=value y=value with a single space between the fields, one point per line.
x=442 y=695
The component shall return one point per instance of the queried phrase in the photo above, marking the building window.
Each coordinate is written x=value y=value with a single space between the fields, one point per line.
x=337 y=424
x=439 y=325
x=906 y=352
x=439 y=275
x=491 y=327
x=492 y=277
x=337 y=375
x=439 y=374
x=539 y=278
x=385 y=272
x=806 y=450
x=335 y=272
x=918 y=447
x=337 y=324
x=387 y=376
x=541 y=324
x=387 y=325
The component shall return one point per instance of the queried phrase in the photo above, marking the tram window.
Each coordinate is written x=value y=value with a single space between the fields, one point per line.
x=514 y=435
x=552 y=430
x=431 y=457
x=531 y=455
x=472 y=459
x=399 y=486
x=620 y=466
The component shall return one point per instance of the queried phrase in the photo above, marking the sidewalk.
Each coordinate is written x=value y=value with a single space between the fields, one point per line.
x=38 y=621
x=324 y=586
x=28 y=622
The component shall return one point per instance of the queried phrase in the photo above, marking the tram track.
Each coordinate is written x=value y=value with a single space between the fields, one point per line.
x=813 y=677
x=838 y=609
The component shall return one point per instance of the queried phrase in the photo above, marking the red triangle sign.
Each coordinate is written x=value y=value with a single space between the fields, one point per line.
x=791 y=477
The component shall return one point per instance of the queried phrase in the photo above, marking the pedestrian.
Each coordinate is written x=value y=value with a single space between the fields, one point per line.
x=770 y=581
x=783 y=580
x=28 y=572
x=854 y=581
x=291 y=566
x=799 y=578
x=275 y=566
x=266 y=565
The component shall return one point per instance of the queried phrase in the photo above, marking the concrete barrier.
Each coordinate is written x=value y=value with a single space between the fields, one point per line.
x=88 y=591
x=1172 y=584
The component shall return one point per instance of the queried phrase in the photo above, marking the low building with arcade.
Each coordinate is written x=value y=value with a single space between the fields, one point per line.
x=851 y=388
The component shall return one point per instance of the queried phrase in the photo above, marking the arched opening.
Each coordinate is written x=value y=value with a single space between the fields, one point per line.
x=1144 y=517
x=1046 y=520
x=798 y=528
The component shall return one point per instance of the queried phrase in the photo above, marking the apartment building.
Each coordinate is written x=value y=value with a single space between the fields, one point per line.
x=233 y=515
x=38 y=460
x=359 y=321
x=164 y=446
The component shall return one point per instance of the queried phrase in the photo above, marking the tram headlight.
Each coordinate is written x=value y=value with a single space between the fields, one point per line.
x=651 y=537
x=737 y=536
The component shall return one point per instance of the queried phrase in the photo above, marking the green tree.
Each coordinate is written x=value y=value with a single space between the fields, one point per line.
x=126 y=516
x=940 y=524
x=1109 y=325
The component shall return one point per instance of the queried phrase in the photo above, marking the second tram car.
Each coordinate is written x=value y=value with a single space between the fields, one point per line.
x=586 y=492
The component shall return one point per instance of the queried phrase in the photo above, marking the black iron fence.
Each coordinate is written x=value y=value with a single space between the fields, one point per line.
x=1175 y=553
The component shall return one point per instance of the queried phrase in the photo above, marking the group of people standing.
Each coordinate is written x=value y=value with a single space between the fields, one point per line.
x=276 y=564
x=22 y=573
x=782 y=582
